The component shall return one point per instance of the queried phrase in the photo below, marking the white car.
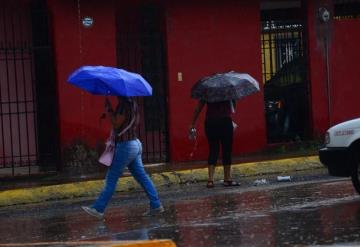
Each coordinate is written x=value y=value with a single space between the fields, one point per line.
x=341 y=154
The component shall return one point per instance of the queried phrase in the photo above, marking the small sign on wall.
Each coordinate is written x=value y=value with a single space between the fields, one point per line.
x=179 y=76
x=87 y=21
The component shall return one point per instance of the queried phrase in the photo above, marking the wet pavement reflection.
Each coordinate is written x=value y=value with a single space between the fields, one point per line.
x=293 y=214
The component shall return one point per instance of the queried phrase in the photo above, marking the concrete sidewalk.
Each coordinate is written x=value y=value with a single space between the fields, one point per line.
x=162 y=179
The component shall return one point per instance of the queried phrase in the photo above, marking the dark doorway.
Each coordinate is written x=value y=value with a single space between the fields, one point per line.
x=28 y=110
x=140 y=48
x=284 y=72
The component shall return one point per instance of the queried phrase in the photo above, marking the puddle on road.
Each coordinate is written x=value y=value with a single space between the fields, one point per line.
x=305 y=215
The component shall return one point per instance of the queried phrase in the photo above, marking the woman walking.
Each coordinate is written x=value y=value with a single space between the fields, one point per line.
x=128 y=153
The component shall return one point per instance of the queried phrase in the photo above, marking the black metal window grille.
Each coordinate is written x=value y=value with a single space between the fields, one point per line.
x=281 y=43
x=141 y=49
x=20 y=147
x=285 y=79
x=346 y=9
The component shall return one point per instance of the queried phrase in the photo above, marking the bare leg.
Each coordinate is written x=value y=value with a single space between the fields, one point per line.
x=227 y=177
x=211 y=171
x=227 y=172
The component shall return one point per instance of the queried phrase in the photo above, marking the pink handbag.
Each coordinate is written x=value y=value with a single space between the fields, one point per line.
x=107 y=156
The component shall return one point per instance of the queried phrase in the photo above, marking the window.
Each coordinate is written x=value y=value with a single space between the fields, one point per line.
x=346 y=9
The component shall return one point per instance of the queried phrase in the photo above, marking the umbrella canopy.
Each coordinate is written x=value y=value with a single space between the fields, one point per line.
x=102 y=80
x=224 y=86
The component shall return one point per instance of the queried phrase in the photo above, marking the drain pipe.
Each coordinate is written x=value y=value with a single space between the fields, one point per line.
x=324 y=16
x=328 y=82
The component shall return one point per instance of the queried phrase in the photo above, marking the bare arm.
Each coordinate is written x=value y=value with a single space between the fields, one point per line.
x=196 y=113
x=116 y=119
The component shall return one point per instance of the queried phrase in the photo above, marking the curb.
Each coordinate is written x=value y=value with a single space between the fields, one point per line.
x=142 y=243
x=126 y=184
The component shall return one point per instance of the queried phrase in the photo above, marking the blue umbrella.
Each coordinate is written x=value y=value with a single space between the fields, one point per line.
x=102 y=80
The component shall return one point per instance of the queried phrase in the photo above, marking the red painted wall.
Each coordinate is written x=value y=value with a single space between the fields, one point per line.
x=201 y=39
x=204 y=37
x=344 y=37
x=345 y=72
x=75 y=46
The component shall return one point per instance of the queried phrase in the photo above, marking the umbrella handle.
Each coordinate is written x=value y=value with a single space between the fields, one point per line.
x=108 y=106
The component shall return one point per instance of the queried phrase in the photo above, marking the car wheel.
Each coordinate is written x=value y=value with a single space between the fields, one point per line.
x=355 y=173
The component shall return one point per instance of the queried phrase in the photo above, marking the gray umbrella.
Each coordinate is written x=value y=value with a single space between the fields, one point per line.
x=224 y=86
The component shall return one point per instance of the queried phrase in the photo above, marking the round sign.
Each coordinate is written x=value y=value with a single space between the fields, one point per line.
x=87 y=21
x=324 y=14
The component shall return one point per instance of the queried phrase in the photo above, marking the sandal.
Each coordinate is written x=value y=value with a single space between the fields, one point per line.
x=231 y=183
x=210 y=184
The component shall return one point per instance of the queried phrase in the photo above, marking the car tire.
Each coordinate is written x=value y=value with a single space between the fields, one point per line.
x=355 y=171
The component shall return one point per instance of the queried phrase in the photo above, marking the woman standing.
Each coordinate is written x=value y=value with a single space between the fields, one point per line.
x=128 y=153
x=219 y=132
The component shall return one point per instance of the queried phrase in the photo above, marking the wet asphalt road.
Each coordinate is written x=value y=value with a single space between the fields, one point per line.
x=312 y=209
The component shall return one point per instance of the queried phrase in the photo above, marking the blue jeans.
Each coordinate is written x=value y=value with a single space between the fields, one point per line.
x=127 y=154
